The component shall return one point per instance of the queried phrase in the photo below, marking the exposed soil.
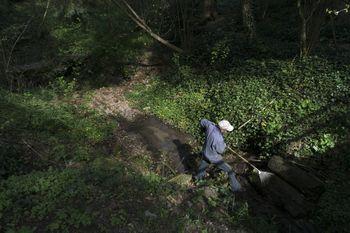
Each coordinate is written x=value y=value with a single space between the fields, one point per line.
x=140 y=134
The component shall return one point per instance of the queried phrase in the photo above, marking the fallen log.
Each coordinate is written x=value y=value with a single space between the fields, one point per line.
x=304 y=181
x=283 y=195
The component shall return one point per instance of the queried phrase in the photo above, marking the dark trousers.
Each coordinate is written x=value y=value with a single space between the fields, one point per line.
x=235 y=185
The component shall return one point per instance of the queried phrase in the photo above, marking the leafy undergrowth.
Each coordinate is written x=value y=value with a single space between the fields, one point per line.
x=308 y=115
x=57 y=175
x=99 y=197
x=305 y=102
x=332 y=213
x=61 y=173
x=40 y=130
x=107 y=196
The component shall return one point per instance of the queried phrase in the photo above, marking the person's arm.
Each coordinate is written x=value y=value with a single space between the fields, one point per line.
x=205 y=123
x=220 y=147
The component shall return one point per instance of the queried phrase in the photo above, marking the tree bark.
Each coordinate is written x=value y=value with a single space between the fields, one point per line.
x=312 y=16
x=303 y=35
x=248 y=18
x=265 y=6
x=334 y=33
x=316 y=22
x=210 y=10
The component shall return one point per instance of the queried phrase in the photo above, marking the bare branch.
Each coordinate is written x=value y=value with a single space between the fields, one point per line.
x=135 y=14
x=30 y=147
x=141 y=23
x=46 y=10
x=14 y=45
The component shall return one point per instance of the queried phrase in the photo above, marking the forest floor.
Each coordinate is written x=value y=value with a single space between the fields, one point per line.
x=141 y=136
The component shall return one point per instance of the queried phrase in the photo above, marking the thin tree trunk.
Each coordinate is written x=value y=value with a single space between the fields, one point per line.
x=264 y=8
x=317 y=20
x=248 y=18
x=303 y=33
x=333 y=32
x=186 y=13
x=210 y=9
x=312 y=16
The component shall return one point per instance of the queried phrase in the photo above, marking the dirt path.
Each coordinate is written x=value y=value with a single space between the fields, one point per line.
x=140 y=134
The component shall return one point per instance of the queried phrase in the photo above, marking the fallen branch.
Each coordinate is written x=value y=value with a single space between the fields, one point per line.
x=30 y=147
x=135 y=14
x=124 y=6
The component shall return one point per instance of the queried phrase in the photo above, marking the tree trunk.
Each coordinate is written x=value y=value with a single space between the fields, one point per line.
x=316 y=22
x=248 y=18
x=312 y=16
x=263 y=8
x=210 y=10
x=303 y=35
x=182 y=14
x=333 y=32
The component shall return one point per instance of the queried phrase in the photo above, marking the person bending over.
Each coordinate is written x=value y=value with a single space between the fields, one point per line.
x=213 y=149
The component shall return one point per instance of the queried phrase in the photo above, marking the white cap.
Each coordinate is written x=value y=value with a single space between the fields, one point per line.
x=224 y=124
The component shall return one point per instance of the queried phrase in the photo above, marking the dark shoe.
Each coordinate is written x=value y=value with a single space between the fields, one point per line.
x=235 y=185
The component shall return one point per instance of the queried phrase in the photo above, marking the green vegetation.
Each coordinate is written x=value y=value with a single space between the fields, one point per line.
x=332 y=213
x=97 y=198
x=60 y=176
x=307 y=96
x=62 y=169
x=39 y=130
x=310 y=107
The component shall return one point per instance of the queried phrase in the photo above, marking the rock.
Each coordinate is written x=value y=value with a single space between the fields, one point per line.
x=281 y=194
x=183 y=180
x=304 y=181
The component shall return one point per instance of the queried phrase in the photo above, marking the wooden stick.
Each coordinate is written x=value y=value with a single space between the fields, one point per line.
x=244 y=159
x=254 y=116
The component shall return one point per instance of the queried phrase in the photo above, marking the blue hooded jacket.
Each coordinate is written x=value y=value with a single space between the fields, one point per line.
x=214 y=144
